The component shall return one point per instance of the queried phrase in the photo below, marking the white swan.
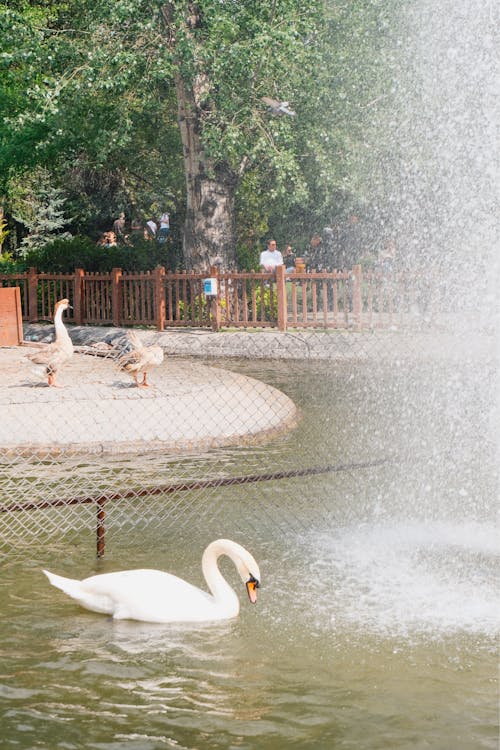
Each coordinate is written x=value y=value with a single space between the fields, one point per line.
x=56 y=354
x=155 y=596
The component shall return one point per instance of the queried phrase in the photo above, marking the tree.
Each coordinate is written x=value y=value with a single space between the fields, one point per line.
x=100 y=116
x=130 y=102
x=226 y=57
x=40 y=207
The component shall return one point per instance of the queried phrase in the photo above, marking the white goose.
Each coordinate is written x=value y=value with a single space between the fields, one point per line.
x=56 y=354
x=155 y=596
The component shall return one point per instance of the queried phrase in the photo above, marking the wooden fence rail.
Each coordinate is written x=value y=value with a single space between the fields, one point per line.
x=340 y=299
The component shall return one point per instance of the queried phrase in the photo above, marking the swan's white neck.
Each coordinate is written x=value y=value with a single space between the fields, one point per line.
x=222 y=592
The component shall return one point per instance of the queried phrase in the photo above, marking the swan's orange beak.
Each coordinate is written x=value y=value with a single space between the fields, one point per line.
x=252 y=585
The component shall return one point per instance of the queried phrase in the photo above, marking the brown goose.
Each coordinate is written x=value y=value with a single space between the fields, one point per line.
x=53 y=356
x=141 y=359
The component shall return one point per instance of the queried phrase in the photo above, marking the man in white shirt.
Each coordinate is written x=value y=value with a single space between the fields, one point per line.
x=270 y=258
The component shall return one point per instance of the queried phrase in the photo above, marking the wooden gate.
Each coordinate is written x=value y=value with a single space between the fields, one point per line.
x=11 y=319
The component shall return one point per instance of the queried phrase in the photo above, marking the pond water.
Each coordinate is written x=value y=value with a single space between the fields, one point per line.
x=377 y=621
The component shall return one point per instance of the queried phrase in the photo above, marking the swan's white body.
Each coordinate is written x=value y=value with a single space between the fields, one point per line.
x=155 y=596
x=53 y=356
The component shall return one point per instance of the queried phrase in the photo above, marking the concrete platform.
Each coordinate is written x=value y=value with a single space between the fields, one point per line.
x=192 y=406
x=189 y=406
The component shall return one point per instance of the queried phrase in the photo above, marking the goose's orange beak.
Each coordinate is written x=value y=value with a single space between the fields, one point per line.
x=252 y=585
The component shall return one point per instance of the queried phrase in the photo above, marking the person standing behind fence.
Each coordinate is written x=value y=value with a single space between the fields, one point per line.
x=289 y=259
x=164 y=228
x=108 y=239
x=119 y=227
x=386 y=258
x=270 y=258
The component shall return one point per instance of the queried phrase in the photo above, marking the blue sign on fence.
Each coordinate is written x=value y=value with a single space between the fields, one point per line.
x=210 y=287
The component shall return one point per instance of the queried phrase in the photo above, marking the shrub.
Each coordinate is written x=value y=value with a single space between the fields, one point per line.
x=10 y=265
x=270 y=303
x=63 y=256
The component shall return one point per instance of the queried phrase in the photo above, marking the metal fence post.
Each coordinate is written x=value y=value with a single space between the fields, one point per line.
x=281 y=294
x=101 y=527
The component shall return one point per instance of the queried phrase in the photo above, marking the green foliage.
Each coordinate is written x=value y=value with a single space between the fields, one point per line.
x=247 y=257
x=248 y=51
x=343 y=111
x=252 y=221
x=63 y=256
x=84 y=93
x=37 y=204
x=87 y=90
x=8 y=264
x=4 y=232
x=270 y=303
x=197 y=308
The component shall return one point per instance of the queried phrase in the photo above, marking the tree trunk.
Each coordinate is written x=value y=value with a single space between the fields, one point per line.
x=209 y=231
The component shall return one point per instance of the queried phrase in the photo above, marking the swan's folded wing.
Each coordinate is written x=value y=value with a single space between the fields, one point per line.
x=150 y=595
x=89 y=599
x=146 y=595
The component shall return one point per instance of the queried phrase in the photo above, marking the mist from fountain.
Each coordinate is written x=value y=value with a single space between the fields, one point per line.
x=426 y=561
x=434 y=170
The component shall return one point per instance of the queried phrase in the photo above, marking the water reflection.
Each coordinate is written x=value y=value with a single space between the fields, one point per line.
x=159 y=670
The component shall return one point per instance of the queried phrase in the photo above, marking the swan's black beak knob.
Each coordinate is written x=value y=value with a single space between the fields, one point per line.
x=252 y=585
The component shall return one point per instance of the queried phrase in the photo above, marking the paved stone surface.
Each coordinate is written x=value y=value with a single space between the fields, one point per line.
x=99 y=409
x=192 y=405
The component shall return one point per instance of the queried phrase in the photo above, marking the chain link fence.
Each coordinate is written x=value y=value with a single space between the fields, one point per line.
x=236 y=430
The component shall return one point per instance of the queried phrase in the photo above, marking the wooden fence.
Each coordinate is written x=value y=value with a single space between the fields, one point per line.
x=340 y=299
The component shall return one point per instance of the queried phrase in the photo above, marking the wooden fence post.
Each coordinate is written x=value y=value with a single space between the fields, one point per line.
x=116 y=307
x=159 y=297
x=78 y=296
x=215 y=308
x=33 y=295
x=357 y=301
x=282 y=300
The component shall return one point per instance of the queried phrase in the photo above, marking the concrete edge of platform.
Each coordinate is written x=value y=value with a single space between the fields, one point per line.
x=301 y=345
x=36 y=421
